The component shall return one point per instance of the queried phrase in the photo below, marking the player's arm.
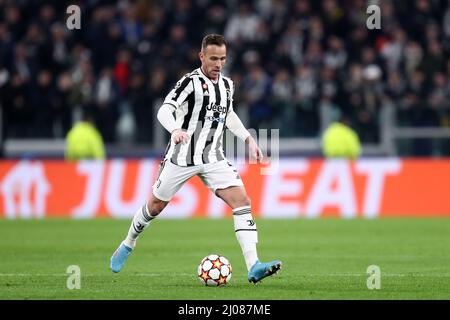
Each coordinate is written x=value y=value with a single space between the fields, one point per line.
x=238 y=129
x=236 y=126
x=167 y=120
x=173 y=101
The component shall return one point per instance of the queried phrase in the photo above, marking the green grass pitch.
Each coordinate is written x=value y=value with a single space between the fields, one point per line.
x=322 y=259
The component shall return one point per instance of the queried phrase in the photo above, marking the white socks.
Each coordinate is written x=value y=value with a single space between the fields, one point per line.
x=246 y=234
x=141 y=221
x=244 y=227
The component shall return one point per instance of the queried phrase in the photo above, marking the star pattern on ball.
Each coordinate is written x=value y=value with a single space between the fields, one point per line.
x=217 y=263
x=221 y=280
x=204 y=275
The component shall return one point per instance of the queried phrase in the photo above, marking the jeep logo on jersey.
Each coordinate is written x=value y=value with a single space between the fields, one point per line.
x=215 y=108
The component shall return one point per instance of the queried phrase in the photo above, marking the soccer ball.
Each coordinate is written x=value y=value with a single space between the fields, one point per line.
x=214 y=270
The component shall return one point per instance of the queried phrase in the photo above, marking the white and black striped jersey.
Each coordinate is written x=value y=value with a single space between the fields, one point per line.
x=201 y=108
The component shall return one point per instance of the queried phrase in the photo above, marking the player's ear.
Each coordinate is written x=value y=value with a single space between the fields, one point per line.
x=201 y=56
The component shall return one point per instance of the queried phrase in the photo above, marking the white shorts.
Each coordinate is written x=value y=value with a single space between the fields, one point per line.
x=171 y=177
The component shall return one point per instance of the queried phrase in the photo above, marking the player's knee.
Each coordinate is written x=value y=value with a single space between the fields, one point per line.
x=156 y=206
x=246 y=200
x=233 y=197
x=242 y=201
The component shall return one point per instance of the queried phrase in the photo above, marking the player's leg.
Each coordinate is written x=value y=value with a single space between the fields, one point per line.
x=223 y=179
x=169 y=180
x=141 y=220
x=246 y=233
x=244 y=225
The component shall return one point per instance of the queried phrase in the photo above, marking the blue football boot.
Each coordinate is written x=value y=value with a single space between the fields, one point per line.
x=119 y=257
x=260 y=270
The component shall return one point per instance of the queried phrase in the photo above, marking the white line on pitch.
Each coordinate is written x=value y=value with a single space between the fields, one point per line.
x=189 y=274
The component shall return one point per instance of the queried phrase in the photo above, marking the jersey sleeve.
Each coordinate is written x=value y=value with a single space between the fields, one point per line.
x=236 y=126
x=180 y=92
x=165 y=117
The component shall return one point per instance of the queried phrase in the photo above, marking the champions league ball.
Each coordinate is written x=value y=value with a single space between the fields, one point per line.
x=214 y=270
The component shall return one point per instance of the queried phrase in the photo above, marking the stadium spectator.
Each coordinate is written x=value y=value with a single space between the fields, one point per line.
x=242 y=25
x=257 y=85
x=63 y=108
x=106 y=95
x=43 y=98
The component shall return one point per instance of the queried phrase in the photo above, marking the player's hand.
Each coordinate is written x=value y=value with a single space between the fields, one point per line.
x=256 y=154
x=179 y=135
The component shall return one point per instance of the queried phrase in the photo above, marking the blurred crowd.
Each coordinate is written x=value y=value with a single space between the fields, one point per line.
x=296 y=64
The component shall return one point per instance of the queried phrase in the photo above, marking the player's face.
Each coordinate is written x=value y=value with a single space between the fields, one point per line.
x=213 y=59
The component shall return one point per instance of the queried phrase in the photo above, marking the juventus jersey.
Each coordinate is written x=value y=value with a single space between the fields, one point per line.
x=201 y=109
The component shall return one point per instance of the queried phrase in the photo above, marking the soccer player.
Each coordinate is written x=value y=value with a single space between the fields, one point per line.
x=203 y=105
